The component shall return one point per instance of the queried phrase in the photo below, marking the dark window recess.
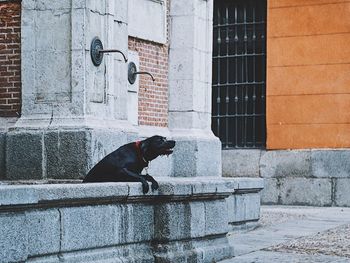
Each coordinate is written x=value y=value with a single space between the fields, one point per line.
x=239 y=66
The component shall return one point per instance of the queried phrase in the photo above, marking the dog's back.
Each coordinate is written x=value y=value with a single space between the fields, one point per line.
x=109 y=168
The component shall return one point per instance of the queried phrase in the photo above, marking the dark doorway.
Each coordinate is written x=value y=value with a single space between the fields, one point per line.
x=239 y=73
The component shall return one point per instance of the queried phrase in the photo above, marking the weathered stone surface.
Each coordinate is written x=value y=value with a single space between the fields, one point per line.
x=342 y=195
x=43 y=232
x=295 y=163
x=193 y=156
x=134 y=223
x=270 y=193
x=13 y=237
x=24 y=155
x=207 y=250
x=87 y=227
x=331 y=163
x=305 y=191
x=67 y=153
x=147 y=20
x=216 y=217
x=236 y=163
x=116 y=221
x=248 y=184
x=2 y=154
x=243 y=207
x=172 y=221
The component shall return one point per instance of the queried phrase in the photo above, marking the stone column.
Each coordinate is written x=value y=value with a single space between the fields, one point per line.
x=198 y=151
x=73 y=112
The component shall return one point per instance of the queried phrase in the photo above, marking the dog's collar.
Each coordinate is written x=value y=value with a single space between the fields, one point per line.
x=139 y=152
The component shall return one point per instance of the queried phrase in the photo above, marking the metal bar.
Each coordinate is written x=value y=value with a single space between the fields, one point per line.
x=227 y=76
x=236 y=76
x=240 y=24
x=246 y=76
x=239 y=55
x=254 y=91
x=247 y=56
x=253 y=83
x=218 y=68
x=238 y=115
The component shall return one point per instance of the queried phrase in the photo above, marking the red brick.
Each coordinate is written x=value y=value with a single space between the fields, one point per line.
x=10 y=69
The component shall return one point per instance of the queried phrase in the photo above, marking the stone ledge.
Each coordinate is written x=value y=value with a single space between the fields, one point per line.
x=170 y=188
x=51 y=222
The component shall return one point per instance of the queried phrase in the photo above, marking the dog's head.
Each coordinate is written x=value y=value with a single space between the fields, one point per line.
x=155 y=146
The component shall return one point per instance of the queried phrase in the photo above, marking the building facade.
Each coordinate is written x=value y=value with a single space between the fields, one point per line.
x=304 y=155
x=278 y=72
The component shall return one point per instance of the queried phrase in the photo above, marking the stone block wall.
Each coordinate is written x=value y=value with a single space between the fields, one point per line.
x=183 y=221
x=295 y=177
x=10 y=58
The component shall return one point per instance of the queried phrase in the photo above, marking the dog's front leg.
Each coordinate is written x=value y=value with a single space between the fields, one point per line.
x=137 y=177
x=155 y=184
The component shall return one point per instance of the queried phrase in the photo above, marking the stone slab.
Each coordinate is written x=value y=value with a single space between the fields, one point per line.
x=342 y=195
x=2 y=154
x=267 y=256
x=15 y=194
x=24 y=155
x=331 y=163
x=249 y=184
x=241 y=163
x=87 y=227
x=287 y=223
x=270 y=193
x=67 y=153
x=43 y=231
x=243 y=208
x=195 y=154
x=296 y=163
x=306 y=191
x=13 y=237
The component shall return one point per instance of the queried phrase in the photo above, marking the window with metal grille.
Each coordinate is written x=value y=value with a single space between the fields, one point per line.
x=239 y=61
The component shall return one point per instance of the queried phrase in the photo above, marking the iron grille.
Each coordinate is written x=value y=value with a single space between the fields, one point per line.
x=239 y=61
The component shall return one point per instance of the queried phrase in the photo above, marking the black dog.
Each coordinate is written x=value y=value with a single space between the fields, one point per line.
x=127 y=162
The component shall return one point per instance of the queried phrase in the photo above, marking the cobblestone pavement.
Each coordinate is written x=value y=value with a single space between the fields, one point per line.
x=288 y=234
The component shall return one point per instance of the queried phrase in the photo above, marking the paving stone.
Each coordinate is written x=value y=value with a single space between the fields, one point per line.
x=269 y=257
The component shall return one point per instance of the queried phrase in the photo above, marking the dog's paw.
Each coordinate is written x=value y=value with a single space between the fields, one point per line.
x=154 y=186
x=145 y=188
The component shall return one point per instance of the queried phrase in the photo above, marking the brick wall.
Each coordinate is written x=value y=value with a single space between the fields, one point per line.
x=308 y=79
x=10 y=58
x=153 y=96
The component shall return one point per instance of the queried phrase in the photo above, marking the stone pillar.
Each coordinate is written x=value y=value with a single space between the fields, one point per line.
x=73 y=112
x=198 y=151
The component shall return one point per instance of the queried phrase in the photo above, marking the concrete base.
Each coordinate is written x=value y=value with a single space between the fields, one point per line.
x=244 y=204
x=197 y=153
x=316 y=177
x=60 y=152
x=40 y=150
x=69 y=151
x=186 y=220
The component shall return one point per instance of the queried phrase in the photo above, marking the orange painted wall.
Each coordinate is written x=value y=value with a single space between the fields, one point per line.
x=308 y=74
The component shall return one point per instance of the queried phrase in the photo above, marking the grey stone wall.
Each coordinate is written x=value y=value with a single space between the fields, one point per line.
x=184 y=221
x=295 y=177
